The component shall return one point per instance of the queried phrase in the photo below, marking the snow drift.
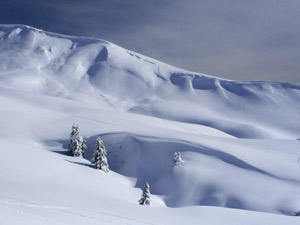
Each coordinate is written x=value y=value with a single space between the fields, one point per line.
x=237 y=139
x=70 y=67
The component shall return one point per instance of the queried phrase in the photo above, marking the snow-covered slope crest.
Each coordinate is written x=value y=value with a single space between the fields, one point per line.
x=76 y=67
x=144 y=111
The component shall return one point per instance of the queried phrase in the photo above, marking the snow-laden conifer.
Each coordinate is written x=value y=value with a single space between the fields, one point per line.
x=145 y=200
x=100 y=159
x=77 y=144
x=177 y=158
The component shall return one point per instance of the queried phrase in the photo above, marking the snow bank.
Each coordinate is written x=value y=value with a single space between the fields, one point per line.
x=237 y=139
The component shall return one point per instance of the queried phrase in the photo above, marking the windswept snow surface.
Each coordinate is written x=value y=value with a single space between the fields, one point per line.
x=237 y=139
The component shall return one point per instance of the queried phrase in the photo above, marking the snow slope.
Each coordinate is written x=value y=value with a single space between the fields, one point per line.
x=238 y=139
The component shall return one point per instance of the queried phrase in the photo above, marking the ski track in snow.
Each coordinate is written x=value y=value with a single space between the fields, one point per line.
x=66 y=210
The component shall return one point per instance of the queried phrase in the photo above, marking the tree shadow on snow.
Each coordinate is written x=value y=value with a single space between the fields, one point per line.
x=60 y=144
x=90 y=165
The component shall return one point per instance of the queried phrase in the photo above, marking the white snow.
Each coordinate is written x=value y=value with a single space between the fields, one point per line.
x=238 y=140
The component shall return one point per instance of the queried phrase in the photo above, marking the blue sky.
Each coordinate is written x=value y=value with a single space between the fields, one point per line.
x=234 y=39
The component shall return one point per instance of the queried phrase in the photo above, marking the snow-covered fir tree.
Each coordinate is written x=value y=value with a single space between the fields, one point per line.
x=77 y=144
x=177 y=158
x=100 y=159
x=145 y=200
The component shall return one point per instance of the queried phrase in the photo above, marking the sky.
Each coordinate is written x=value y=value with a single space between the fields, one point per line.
x=232 y=39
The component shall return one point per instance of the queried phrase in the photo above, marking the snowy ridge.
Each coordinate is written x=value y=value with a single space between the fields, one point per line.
x=70 y=67
x=237 y=139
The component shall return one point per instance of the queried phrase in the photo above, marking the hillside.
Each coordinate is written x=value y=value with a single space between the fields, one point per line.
x=238 y=139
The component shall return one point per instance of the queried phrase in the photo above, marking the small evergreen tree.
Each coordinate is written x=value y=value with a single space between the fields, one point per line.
x=77 y=144
x=177 y=158
x=100 y=156
x=145 y=200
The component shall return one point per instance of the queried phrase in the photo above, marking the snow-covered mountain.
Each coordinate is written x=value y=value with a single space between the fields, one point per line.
x=237 y=139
